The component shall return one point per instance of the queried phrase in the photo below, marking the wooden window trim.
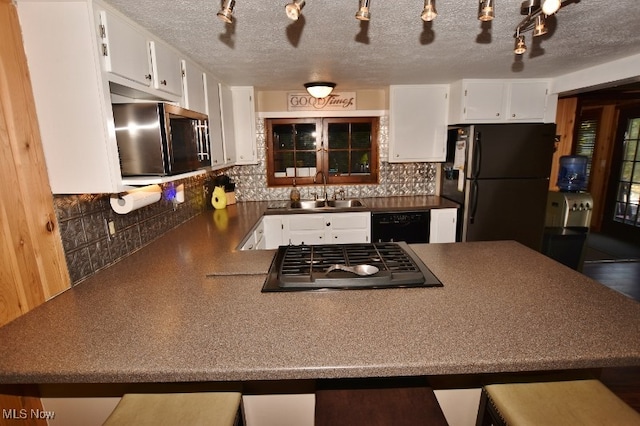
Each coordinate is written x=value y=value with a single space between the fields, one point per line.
x=322 y=158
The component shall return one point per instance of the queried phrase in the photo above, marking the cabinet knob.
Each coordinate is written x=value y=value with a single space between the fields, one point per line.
x=328 y=223
x=163 y=82
x=513 y=115
x=147 y=77
x=497 y=114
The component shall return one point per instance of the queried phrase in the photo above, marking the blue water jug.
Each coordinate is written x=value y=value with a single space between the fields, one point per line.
x=572 y=176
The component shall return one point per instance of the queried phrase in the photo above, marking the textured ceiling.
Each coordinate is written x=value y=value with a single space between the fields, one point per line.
x=263 y=48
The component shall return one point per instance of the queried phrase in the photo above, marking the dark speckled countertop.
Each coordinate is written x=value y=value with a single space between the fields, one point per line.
x=188 y=307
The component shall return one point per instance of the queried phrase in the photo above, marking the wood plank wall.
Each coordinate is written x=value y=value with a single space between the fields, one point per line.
x=33 y=267
x=33 y=263
x=565 y=120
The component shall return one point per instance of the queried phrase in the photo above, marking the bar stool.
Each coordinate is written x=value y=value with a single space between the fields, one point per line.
x=361 y=403
x=197 y=408
x=574 y=402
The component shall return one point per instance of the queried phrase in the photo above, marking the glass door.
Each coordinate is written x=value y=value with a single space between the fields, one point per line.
x=622 y=217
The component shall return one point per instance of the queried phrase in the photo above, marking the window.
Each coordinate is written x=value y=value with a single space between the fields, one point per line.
x=345 y=149
x=586 y=140
x=628 y=191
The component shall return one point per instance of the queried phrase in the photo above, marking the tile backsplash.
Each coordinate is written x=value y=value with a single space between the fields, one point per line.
x=84 y=226
x=84 y=219
x=395 y=178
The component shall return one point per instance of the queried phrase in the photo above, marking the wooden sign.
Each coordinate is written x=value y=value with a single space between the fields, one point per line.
x=336 y=101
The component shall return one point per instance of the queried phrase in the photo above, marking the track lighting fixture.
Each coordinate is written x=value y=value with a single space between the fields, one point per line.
x=549 y=7
x=521 y=46
x=294 y=9
x=429 y=12
x=540 y=28
x=319 y=89
x=226 y=13
x=363 y=12
x=486 y=10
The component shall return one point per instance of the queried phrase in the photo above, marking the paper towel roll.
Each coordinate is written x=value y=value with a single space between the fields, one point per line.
x=136 y=199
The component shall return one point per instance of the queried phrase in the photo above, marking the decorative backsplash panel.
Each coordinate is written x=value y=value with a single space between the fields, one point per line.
x=84 y=219
x=84 y=226
x=395 y=178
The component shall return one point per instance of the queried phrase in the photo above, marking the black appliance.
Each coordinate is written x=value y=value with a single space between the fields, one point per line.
x=410 y=227
x=499 y=174
x=304 y=267
x=160 y=139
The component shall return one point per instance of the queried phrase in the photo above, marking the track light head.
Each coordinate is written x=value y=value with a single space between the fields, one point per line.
x=429 y=12
x=294 y=9
x=226 y=13
x=363 y=13
x=486 y=10
x=521 y=46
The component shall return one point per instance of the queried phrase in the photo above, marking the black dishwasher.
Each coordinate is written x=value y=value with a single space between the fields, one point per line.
x=412 y=226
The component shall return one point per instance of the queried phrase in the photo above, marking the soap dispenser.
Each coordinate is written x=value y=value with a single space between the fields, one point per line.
x=295 y=194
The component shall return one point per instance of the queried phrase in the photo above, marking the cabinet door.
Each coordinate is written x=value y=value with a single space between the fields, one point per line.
x=244 y=124
x=307 y=237
x=306 y=229
x=527 y=100
x=418 y=123
x=350 y=236
x=216 y=143
x=125 y=50
x=272 y=231
x=484 y=100
x=443 y=225
x=228 y=129
x=167 y=69
x=193 y=87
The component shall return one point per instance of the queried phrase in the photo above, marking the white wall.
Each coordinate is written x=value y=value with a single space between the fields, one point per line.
x=625 y=70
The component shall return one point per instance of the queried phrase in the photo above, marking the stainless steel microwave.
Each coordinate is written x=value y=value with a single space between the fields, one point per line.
x=160 y=139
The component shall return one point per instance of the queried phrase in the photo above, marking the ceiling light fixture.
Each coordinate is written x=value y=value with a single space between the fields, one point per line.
x=521 y=46
x=541 y=26
x=319 y=89
x=486 y=10
x=535 y=19
x=429 y=12
x=294 y=9
x=363 y=13
x=549 y=7
x=226 y=13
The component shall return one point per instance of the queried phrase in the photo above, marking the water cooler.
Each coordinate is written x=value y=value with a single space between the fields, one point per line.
x=568 y=214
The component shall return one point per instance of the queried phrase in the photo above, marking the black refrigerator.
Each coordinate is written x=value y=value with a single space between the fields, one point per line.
x=499 y=174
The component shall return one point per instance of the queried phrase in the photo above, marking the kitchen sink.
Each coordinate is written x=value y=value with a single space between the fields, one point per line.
x=328 y=204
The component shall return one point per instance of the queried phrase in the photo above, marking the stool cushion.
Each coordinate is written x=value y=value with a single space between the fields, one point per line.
x=577 y=402
x=197 y=408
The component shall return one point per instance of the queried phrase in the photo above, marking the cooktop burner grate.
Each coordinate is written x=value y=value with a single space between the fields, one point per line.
x=304 y=267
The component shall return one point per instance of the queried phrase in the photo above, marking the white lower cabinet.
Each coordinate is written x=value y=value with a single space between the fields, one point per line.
x=443 y=226
x=321 y=228
x=327 y=228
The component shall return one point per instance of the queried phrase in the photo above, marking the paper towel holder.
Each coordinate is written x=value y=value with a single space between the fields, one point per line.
x=134 y=199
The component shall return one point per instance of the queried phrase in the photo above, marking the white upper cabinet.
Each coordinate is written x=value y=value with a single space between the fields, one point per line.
x=228 y=127
x=244 y=119
x=418 y=123
x=82 y=55
x=499 y=101
x=125 y=49
x=194 y=90
x=527 y=100
x=167 y=68
x=216 y=141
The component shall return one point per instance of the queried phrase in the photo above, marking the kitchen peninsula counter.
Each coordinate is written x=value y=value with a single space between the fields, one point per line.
x=188 y=307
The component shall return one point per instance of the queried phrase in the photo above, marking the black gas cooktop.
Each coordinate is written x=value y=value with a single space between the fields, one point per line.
x=304 y=267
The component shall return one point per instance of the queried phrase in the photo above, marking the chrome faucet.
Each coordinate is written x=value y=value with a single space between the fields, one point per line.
x=324 y=183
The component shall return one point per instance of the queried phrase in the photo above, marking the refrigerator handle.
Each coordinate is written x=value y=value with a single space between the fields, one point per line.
x=477 y=155
x=473 y=201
